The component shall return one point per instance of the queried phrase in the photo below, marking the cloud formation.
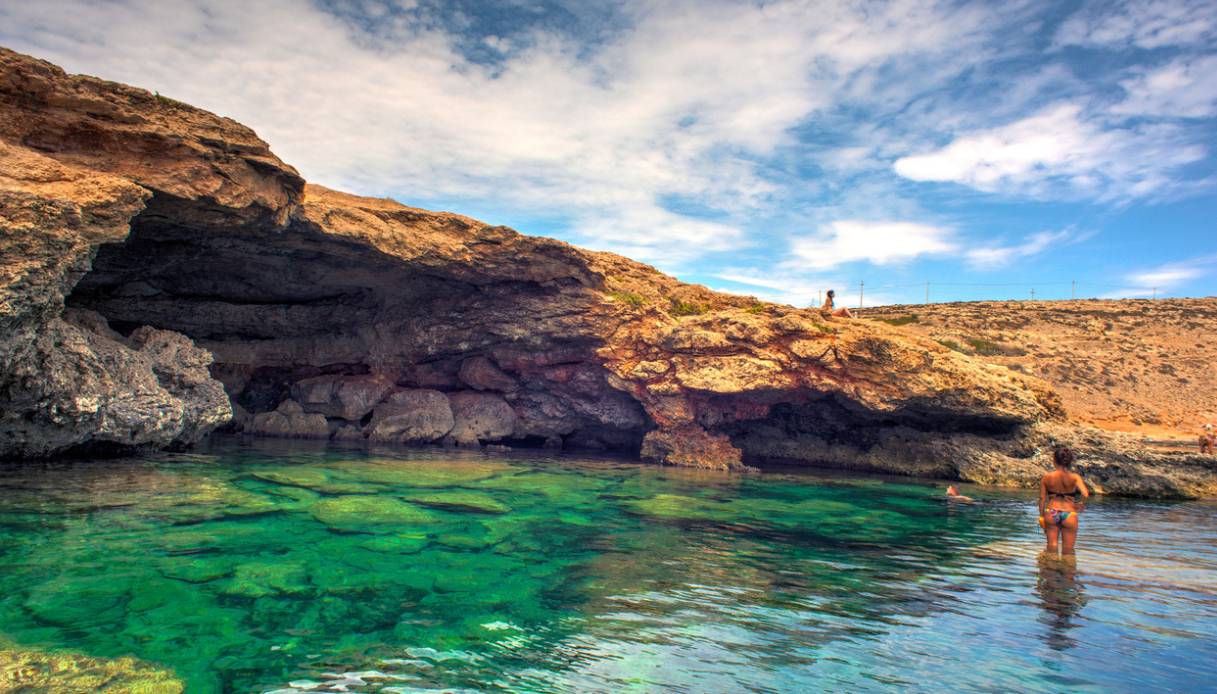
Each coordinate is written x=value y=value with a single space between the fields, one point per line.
x=1059 y=152
x=991 y=257
x=787 y=285
x=1183 y=88
x=1141 y=23
x=1162 y=280
x=879 y=243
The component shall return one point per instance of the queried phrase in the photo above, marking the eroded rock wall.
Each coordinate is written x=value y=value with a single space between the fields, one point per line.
x=67 y=381
x=328 y=315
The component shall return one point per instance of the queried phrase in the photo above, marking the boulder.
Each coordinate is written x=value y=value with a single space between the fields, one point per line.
x=78 y=384
x=417 y=415
x=480 y=373
x=480 y=417
x=345 y=431
x=345 y=397
x=181 y=368
x=690 y=445
x=289 y=420
x=240 y=418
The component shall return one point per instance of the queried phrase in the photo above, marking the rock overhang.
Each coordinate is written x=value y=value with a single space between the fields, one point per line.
x=533 y=340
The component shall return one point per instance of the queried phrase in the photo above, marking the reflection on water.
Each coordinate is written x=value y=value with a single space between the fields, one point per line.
x=294 y=568
x=1062 y=596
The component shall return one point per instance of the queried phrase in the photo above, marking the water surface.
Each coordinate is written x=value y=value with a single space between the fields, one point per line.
x=287 y=568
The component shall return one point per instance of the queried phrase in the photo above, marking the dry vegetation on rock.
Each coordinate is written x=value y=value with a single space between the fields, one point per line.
x=1138 y=366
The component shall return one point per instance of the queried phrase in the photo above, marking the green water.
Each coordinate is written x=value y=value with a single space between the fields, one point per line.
x=287 y=568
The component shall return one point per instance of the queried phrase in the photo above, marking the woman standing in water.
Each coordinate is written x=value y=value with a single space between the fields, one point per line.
x=1062 y=492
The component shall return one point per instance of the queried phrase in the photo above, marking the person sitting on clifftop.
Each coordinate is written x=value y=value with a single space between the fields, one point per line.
x=1207 y=439
x=827 y=308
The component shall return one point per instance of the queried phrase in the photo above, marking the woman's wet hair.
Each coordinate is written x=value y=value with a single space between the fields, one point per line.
x=1062 y=456
x=832 y=292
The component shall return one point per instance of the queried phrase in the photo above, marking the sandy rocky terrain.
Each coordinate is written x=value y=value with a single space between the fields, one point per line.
x=1138 y=366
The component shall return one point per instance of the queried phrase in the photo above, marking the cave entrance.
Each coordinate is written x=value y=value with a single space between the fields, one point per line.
x=280 y=306
x=828 y=431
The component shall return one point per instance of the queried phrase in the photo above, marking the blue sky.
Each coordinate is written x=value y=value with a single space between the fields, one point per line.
x=772 y=148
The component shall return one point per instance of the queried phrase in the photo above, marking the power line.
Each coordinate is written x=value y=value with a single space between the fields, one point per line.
x=958 y=291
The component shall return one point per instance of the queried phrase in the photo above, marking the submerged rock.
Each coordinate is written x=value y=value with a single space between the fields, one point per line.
x=259 y=579
x=311 y=478
x=396 y=544
x=78 y=601
x=461 y=501
x=376 y=514
x=26 y=670
x=426 y=473
x=198 y=569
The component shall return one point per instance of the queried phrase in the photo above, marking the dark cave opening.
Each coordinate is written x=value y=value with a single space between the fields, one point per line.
x=830 y=431
x=279 y=306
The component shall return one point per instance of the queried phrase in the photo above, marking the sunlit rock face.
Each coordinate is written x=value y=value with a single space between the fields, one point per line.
x=328 y=315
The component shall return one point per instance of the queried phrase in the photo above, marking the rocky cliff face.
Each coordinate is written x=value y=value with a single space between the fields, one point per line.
x=1134 y=365
x=143 y=238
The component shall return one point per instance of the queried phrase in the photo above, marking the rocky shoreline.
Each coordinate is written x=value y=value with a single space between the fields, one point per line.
x=165 y=275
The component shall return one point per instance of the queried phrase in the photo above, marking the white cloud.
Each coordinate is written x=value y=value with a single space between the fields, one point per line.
x=881 y=243
x=991 y=257
x=1185 y=88
x=1166 y=276
x=795 y=290
x=1143 y=23
x=1058 y=152
x=798 y=289
x=672 y=239
x=1164 y=279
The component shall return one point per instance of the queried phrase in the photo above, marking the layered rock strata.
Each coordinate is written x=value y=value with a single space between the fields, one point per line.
x=328 y=315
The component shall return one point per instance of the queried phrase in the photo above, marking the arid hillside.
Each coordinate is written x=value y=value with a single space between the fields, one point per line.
x=1130 y=365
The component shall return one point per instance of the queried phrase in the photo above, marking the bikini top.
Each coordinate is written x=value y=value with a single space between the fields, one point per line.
x=1067 y=495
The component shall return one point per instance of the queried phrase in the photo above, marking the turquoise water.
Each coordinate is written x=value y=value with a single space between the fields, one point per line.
x=287 y=568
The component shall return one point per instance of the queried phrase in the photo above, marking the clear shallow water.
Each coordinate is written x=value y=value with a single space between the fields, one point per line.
x=284 y=568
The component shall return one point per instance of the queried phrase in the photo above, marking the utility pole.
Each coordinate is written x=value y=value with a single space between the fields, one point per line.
x=861 y=288
x=927 y=292
x=1073 y=290
x=1033 y=293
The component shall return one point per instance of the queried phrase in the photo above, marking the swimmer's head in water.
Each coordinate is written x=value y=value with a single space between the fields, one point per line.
x=1062 y=456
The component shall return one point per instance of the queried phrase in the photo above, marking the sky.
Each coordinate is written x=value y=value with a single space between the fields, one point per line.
x=989 y=149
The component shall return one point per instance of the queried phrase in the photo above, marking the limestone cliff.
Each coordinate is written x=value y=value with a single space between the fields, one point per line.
x=143 y=238
x=1135 y=365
